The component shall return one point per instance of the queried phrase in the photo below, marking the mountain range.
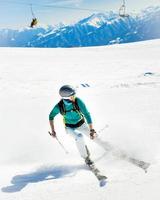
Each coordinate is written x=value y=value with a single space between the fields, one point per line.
x=96 y=30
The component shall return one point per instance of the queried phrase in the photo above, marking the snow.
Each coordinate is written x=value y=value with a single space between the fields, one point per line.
x=98 y=19
x=123 y=97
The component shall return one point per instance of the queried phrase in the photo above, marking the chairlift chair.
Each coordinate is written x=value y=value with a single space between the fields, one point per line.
x=122 y=10
x=34 y=21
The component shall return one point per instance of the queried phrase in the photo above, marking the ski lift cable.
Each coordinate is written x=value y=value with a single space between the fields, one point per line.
x=54 y=6
x=33 y=15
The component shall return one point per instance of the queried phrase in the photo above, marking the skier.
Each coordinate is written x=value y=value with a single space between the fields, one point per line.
x=77 y=120
x=34 y=22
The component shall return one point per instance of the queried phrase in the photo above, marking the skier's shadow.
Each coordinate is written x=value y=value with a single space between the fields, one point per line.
x=41 y=174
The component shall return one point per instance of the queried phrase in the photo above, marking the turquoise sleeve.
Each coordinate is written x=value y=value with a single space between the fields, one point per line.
x=84 y=111
x=54 y=112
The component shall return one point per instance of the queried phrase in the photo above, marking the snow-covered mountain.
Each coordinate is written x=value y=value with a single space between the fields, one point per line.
x=98 y=29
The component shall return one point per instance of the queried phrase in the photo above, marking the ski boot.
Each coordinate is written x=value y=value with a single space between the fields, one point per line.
x=88 y=161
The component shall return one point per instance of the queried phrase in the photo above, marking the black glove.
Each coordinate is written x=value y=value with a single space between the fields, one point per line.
x=93 y=134
x=53 y=133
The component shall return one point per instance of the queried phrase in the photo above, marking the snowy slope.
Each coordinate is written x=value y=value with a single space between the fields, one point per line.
x=95 y=30
x=123 y=97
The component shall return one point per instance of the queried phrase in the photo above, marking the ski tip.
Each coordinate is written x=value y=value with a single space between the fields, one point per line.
x=146 y=166
x=103 y=182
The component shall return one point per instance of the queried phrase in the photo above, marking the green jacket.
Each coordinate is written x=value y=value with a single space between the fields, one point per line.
x=72 y=117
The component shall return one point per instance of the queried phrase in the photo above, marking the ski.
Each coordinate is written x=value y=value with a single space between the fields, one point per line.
x=122 y=155
x=139 y=163
x=101 y=178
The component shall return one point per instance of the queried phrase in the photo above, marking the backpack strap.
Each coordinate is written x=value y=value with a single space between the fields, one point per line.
x=76 y=105
x=62 y=107
x=77 y=108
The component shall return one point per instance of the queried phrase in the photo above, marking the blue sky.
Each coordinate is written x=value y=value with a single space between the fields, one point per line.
x=17 y=13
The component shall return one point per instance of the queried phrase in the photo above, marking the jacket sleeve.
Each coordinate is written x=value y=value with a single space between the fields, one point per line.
x=84 y=110
x=54 y=112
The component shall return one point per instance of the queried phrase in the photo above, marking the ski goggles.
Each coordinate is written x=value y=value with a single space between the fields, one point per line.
x=69 y=98
x=65 y=98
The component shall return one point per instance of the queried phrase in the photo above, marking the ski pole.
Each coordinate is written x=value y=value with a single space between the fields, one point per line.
x=62 y=146
x=60 y=143
x=103 y=128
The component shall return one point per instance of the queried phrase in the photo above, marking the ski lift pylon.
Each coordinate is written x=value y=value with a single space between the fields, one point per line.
x=122 y=10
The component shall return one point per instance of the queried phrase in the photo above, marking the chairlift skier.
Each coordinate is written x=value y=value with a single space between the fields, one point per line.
x=34 y=21
x=122 y=10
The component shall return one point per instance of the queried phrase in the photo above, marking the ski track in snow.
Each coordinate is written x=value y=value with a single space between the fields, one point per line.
x=120 y=84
